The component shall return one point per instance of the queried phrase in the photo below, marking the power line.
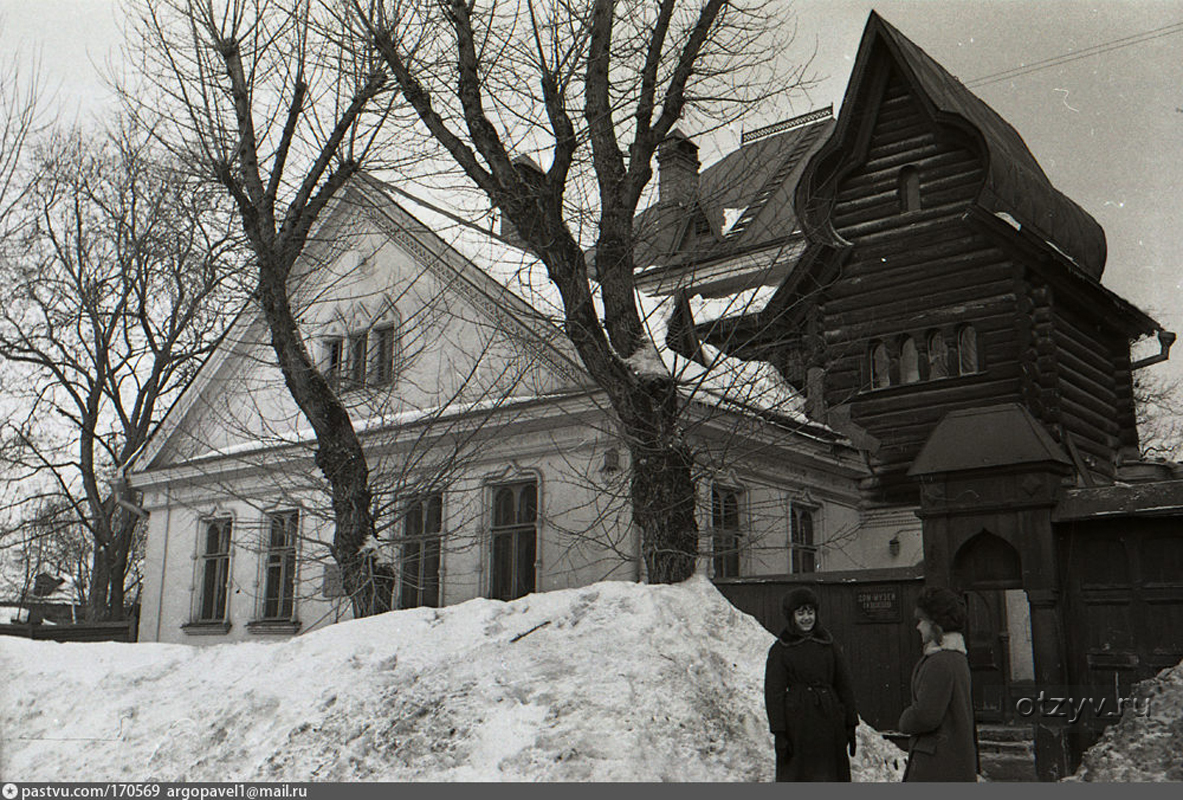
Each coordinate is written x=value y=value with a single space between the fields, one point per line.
x=1097 y=49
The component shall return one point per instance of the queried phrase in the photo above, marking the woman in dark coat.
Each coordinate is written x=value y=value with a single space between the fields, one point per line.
x=941 y=717
x=809 y=697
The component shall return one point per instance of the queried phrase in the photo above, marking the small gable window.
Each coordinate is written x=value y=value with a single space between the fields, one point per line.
x=967 y=351
x=909 y=361
x=880 y=365
x=365 y=357
x=938 y=356
x=382 y=363
x=909 y=189
x=334 y=359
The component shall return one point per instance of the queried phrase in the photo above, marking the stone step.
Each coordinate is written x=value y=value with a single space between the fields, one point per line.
x=1018 y=749
x=1007 y=768
x=1006 y=733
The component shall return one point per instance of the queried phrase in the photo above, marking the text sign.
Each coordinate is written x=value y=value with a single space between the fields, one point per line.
x=878 y=604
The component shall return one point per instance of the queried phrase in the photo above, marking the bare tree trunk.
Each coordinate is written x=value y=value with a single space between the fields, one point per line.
x=662 y=489
x=339 y=454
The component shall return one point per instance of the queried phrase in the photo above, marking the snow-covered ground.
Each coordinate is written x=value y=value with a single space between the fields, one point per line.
x=1144 y=746
x=611 y=682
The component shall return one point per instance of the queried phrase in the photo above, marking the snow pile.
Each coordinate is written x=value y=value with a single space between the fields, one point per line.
x=611 y=682
x=1143 y=746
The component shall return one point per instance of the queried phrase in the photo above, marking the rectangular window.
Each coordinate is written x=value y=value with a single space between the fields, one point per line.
x=279 y=566
x=725 y=530
x=334 y=360
x=420 y=573
x=802 y=548
x=357 y=358
x=215 y=571
x=382 y=370
x=514 y=534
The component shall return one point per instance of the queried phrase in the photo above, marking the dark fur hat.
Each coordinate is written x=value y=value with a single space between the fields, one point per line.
x=944 y=607
x=801 y=596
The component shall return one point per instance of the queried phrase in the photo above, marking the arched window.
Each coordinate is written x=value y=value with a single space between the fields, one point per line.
x=938 y=356
x=726 y=529
x=880 y=366
x=967 y=351
x=909 y=189
x=515 y=539
x=909 y=361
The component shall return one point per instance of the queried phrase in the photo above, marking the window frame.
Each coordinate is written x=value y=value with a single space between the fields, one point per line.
x=381 y=367
x=421 y=592
x=802 y=553
x=937 y=355
x=221 y=562
x=908 y=189
x=726 y=542
x=518 y=532
x=879 y=365
x=972 y=351
x=288 y=566
x=359 y=361
x=909 y=360
x=334 y=359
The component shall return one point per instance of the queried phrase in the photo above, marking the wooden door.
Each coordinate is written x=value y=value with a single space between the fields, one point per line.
x=987 y=643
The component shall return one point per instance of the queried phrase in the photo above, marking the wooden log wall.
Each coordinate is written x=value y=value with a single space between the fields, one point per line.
x=912 y=272
x=1094 y=409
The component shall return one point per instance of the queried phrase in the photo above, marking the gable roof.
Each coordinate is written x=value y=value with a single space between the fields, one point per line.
x=1015 y=183
x=507 y=279
x=371 y=198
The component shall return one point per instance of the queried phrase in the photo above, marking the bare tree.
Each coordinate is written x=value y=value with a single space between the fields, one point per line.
x=117 y=295
x=273 y=107
x=20 y=121
x=497 y=83
x=1159 y=408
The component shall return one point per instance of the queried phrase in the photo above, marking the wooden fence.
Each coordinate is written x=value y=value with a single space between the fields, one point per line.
x=90 y=632
x=869 y=613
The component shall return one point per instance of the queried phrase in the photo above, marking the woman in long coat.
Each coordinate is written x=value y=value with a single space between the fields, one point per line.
x=809 y=697
x=941 y=717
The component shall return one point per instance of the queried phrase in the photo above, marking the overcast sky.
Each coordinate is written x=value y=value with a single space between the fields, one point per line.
x=1105 y=121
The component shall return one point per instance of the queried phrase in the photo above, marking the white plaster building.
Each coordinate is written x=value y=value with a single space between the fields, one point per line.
x=495 y=463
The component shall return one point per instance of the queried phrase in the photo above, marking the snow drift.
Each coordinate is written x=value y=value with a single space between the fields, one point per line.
x=1142 y=747
x=611 y=682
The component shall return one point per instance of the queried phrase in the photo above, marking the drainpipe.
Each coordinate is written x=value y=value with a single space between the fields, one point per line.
x=1165 y=340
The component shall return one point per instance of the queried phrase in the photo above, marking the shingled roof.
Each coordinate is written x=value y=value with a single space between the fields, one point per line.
x=751 y=188
x=1015 y=184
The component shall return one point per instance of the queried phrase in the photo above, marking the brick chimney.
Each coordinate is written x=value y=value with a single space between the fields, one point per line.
x=533 y=175
x=677 y=170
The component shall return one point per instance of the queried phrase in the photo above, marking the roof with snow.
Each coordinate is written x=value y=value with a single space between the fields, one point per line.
x=515 y=281
x=745 y=198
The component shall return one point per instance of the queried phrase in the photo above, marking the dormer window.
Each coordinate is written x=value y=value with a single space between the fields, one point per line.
x=909 y=189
